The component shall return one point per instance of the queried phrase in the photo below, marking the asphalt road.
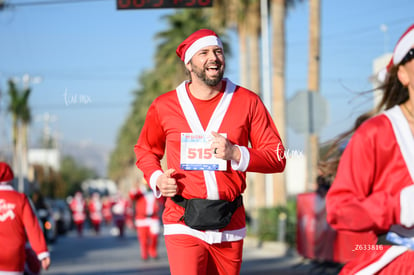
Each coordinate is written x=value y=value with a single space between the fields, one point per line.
x=106 y=254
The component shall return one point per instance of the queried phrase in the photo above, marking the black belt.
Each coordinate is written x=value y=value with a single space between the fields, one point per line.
x=204 y=214
x=181 y=201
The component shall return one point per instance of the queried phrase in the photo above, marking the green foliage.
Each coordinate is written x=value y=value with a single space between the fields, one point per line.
x=74 y=174
x=268 y=223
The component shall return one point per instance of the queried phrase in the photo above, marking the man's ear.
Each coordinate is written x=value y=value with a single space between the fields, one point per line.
x=188 y=66
x=403 y=76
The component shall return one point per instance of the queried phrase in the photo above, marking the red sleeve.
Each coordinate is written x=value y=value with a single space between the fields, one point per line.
x=150 y=147
x=33 y=229
x=354 y=201
x=267 y=150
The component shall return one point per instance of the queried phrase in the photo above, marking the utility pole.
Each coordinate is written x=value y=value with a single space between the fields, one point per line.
x=313 y=87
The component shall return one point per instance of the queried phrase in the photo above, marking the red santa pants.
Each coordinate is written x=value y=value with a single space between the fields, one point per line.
x=191 y=256
x=148 y=242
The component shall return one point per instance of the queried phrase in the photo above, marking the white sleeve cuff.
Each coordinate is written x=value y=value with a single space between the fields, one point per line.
x=244 y=159
x=407 y=206
x=153 y=183
x=43 y=255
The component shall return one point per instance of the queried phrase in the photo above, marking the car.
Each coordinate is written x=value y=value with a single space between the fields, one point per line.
x=62 y=215
x=47 y=223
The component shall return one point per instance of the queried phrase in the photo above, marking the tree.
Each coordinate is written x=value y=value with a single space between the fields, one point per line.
x=278 y=14
x=73 y=174
x=21 y=118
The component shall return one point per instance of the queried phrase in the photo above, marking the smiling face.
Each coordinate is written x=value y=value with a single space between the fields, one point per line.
x=207 y=65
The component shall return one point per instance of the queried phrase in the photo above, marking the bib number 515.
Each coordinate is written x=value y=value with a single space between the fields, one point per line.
x=200 y=153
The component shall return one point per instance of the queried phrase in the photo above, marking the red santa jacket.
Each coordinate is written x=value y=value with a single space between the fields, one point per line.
x=147 y=206
x=374 y=187
x=78 y=207
x=95 y=209
x=18 y=223
x=240 y=115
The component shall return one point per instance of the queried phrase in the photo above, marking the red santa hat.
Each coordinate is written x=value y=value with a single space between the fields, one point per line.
x=6 y=173
x=195 y=42
x=403 y=46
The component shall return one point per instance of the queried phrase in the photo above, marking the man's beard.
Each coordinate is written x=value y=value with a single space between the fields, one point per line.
x=201 y=74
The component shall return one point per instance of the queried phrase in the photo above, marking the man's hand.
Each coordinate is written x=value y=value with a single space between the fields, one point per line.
x=222 y=148
x=167 y=184
x=46 y=263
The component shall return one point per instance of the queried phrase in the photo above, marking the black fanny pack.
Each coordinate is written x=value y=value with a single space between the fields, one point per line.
x=203 y=214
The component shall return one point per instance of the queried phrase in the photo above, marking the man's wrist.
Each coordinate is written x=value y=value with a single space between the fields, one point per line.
x=236 y=154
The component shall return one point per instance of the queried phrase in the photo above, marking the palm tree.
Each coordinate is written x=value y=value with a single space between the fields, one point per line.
x=313 y=84
x=278 y=15
x=21 y=117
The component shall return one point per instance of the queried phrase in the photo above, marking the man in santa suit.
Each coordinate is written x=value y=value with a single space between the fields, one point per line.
x=120 y=211
x=18 y=223
x=213 y=132
x=147 y=220
x=372 y=197
x=95 y=212
x=78 y=207
x=107 y=209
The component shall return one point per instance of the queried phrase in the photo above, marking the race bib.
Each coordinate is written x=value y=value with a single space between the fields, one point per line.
x=196 y=153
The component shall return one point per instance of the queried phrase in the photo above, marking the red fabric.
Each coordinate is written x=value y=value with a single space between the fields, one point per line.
x=147 y=220
x=352 y=203
x=191 y=256
x=183 y=47
x=146 y=205
x=403 y=264
x=6 y=173
x=315 y=238
x=166 y=121
x=78 y=207
x=364 y=199
x=18 y=223
x=205 y=108
x=95 y=210
x=147 y=242
x=107 y=204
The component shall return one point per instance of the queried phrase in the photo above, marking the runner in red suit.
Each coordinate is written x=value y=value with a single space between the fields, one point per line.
x=147 y=220
x=18 y=224
x=107 y=209
x=95 y=212
x=120 y=212
x=78 y=207
x=372 y=196
x=212 y=132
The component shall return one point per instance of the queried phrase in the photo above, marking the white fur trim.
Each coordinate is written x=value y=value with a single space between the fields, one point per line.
x=404 y=136
x=6 y=187
x=11 y=272
x=205 y=41
x=392 y=253
x=209 y=236
x=403 y=47
x=244 y=159
x=153 y=183
x=407 y=206
x=406 y=142
x=213 y=125
x=43 y=255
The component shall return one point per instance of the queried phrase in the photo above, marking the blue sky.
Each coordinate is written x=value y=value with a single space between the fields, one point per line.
x=94 y=54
